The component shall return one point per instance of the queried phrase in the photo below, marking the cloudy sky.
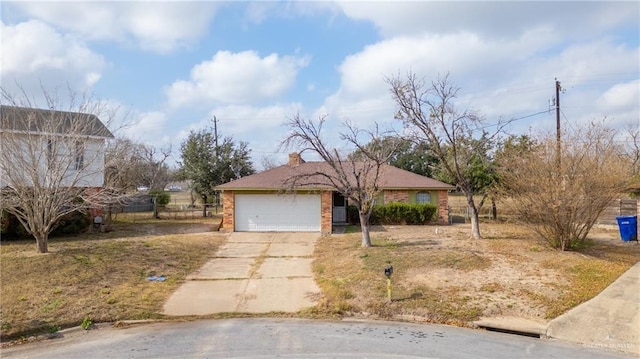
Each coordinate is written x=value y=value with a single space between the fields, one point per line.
x=174 y=65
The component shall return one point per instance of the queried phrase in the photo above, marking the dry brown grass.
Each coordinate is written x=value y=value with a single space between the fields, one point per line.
x=443 y=276
x=100 y=276
x=440 y=275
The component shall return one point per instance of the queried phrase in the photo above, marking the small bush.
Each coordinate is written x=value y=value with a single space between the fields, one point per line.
x=11 y=227
x=396 y=213
x=162 y=198
x=72 y=223
x=86 y=323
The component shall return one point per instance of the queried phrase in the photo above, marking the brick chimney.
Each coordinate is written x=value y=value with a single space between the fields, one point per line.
x=295 y=159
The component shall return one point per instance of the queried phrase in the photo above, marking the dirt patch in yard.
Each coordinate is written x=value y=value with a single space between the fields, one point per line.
x=496 y=286
x=444 y=276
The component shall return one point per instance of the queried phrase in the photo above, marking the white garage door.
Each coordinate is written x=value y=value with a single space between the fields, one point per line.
x=283 y=213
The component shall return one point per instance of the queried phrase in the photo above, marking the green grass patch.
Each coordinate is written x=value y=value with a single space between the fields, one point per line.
x=587 y=277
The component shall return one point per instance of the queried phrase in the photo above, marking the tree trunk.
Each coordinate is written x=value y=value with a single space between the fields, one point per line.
x=364 y=225
x=42 y=242
x=494 y=210
x=475 y=224
x=204 y=206
x=155 y=207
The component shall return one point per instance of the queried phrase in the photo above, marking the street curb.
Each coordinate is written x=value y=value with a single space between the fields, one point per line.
x=513 y=325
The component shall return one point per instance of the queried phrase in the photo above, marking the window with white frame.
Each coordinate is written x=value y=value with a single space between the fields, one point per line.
x=79 y=155
x=423 y=197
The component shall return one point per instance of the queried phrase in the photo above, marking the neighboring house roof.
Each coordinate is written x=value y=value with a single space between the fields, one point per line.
x=35 y=120
x=277 y=178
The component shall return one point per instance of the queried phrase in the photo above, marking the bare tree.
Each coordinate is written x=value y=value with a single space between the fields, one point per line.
x=51 y=161
x=458 y=139
x=357 y=179
x=155 y=170
x=130 y=164
x=268 y=162
x=632 y=149
x=122 y=164
x=563 y=203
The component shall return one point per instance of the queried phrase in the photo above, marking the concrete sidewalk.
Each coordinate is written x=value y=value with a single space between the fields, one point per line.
x=251 y=273
x=609 y=320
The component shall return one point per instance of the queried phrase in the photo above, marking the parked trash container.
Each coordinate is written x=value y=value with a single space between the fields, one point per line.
x=628 y=227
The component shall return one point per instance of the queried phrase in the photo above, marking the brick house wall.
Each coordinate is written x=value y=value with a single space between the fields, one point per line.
x=326 y=207
x=443 y=207
x=396 y=196
x=326 y=212
x=227 y=211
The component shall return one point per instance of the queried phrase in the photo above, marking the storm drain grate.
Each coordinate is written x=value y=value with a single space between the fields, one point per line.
x=514 y=332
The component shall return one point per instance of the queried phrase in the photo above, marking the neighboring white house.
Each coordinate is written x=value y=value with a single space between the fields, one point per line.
x=49 y=148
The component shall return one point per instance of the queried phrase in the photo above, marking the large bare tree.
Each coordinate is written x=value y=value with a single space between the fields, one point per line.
x=51 y=159
x=457 y=138
x=632 y=148
x=130 y=164
x=563 y=203
x=357 y=178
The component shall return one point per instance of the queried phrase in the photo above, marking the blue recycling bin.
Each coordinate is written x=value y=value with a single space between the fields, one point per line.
x=628 y=227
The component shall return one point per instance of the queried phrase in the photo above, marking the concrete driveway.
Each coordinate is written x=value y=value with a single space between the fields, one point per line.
x=251 y=273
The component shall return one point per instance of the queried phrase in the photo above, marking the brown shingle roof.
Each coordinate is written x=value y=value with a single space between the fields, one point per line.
x=276 y=178
x=42 y=120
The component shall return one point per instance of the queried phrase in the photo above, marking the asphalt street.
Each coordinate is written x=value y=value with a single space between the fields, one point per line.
x=296 y=338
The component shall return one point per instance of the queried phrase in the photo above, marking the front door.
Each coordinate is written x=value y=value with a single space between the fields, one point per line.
x=339 y=208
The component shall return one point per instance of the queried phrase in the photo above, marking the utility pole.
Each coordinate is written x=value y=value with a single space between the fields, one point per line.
x=558 y=143
x=215 y=132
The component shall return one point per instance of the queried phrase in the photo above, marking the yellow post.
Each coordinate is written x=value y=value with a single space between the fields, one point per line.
x=389 y=288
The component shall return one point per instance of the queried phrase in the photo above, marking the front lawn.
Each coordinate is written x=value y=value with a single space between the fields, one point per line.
x=441 y=275
x=99 y=277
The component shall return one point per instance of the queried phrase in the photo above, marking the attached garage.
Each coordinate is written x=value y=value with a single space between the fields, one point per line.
x=273 y=212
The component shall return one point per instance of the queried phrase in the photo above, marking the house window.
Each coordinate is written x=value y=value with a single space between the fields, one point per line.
x=79 y=155
x=423 y=197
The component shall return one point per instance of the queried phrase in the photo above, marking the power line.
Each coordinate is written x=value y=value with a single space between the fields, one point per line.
x=527 y=116
x=514 y=119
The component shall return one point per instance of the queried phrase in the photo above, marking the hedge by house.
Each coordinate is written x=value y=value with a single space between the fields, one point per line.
x=72 y=223
x=397 y=213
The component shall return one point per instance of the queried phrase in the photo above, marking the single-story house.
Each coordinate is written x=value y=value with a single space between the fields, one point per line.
x=264 y=201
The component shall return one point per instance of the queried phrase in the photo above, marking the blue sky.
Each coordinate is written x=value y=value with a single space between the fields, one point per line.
x=174 y=65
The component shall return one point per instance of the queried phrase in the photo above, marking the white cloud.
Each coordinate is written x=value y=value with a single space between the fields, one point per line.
x=149 y=128
x=500 y=78
x=156 y=26
x=500 y=19
x=622 y=95
x=364 y=93
x=34 y=53
x=236 y=78
x=261 y=127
